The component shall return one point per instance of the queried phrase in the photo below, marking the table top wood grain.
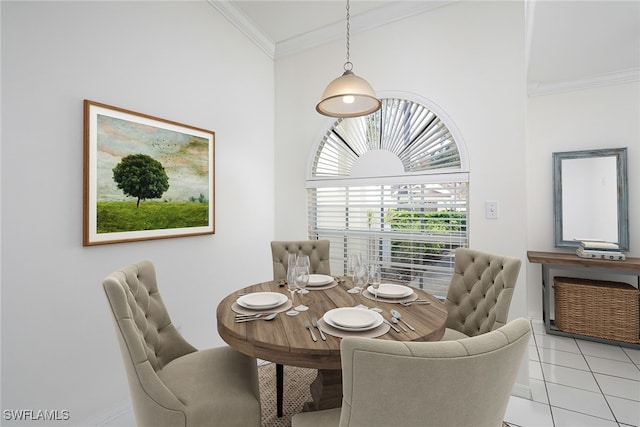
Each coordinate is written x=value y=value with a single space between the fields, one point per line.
x=286 y=341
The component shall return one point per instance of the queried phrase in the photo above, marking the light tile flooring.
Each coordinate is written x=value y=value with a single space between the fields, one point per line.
x=578 y=383
x=575 y=383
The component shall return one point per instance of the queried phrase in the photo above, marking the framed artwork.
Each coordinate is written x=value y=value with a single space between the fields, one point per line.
x=145 y=177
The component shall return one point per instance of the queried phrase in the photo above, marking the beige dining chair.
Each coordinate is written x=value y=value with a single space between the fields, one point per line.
x=464 y=382
x=318 y=253
x=480 y=293
x=171 y=382
x=317 y=250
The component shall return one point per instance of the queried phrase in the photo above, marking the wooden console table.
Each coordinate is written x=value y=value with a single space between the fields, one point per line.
x=569 y=261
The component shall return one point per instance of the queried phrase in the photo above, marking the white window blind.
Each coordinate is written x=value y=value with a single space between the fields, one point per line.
x=410 y=230
x=409 y=223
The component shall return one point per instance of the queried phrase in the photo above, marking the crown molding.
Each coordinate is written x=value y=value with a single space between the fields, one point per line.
x=394 y=12
x=365 y=21
x=362 y=22
x=246 y=26
x=617 y=77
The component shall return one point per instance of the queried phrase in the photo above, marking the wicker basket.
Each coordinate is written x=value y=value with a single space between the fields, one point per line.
x=597 y=308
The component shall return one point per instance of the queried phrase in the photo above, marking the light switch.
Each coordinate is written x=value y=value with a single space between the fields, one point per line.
x=491 y=209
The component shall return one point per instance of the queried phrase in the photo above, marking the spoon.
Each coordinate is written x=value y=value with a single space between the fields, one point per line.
x=249 y=319
x=394 y=320
x=396 y=315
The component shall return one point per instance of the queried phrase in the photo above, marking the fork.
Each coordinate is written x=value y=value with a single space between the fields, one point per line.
x=308 y=326
x=244 y=316
x=252 y=318
x=314 y=321
x=418 y=301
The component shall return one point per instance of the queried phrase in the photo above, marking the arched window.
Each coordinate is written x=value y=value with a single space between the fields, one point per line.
x=392 y=186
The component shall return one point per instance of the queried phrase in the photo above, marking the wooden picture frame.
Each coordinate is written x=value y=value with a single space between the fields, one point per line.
x=145 y=177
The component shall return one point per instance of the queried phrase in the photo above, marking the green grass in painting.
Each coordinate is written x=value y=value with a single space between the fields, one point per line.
x=116 y=217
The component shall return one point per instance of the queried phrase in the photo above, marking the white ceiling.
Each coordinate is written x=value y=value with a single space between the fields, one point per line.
x=574 y=42
x=283 y=20
x=570 y=44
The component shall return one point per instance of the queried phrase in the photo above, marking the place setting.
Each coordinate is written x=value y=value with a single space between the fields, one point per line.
x=353 y=321
x=319 y=282
x=390 y=293
x=260 y=306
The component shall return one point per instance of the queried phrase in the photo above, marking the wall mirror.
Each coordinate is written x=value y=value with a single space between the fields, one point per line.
x=590 y=197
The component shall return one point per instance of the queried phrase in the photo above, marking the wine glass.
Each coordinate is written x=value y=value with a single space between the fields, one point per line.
x=353 y=262
x=301 y=280
x=291 y=282
x=362 y=276
x=292 y=287
x=291 y=263
x=303 y=261
x=374 y=279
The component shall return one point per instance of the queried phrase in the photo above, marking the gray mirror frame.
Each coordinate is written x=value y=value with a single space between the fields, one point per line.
x=623 y=196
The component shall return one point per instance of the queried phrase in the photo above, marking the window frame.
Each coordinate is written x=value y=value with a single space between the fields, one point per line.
x=340 y=237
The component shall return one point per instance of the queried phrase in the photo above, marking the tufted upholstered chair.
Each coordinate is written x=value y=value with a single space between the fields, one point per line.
x=480 y=293
x=171 y=382
x=317 y=250
x=457 y=383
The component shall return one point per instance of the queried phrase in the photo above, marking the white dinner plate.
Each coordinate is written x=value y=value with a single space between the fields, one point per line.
x=389 y=290
x=319 y=280
x=261 y=300
x=353 y=319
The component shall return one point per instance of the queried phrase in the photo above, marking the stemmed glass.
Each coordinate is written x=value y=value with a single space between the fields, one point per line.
x=301 y=280
x=303 y=261
x=362 y=276
x=292 y=287
x=353 y=263
x=291 y=281
x=374 y=279
x=291 y=263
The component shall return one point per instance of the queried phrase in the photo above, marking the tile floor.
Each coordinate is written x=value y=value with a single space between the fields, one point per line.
x=575 y=383
x=578 y=383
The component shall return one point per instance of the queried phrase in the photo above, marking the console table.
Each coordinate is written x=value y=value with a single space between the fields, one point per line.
x=569 y=261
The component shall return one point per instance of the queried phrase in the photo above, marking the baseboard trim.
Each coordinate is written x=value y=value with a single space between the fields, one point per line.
x=111 y=415
x=521 y=390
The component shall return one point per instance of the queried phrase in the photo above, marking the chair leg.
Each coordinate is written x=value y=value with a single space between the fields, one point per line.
x=279 y=388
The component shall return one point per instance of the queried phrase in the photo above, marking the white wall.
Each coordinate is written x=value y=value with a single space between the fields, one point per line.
x=175 y=60
x=182 y=61
x=468 y=58
x=602 y=117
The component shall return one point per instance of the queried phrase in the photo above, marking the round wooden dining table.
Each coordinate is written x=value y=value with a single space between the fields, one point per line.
x=286 y=341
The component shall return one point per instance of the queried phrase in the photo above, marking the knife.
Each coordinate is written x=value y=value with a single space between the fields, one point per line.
x=392 y=325
x=308 y=326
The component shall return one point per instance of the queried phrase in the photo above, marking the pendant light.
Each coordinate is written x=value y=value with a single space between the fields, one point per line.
x=348 y=95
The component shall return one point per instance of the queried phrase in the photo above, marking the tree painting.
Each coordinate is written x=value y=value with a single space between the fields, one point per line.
x=141 y=176
x=145 y=177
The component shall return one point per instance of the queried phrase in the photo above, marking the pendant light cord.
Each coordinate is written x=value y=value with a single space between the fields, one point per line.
x=348 y=95
x=348 y=66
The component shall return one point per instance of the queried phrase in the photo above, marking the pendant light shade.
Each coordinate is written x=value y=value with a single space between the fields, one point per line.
x=348 y=95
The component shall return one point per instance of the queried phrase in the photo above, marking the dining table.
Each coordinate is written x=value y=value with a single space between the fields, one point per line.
x=287 y=340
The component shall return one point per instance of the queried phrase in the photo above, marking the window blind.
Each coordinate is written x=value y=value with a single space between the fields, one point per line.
x=409 y=221
x=411 y=230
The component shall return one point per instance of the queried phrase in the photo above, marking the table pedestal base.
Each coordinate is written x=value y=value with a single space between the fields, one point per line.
x=326 y=390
